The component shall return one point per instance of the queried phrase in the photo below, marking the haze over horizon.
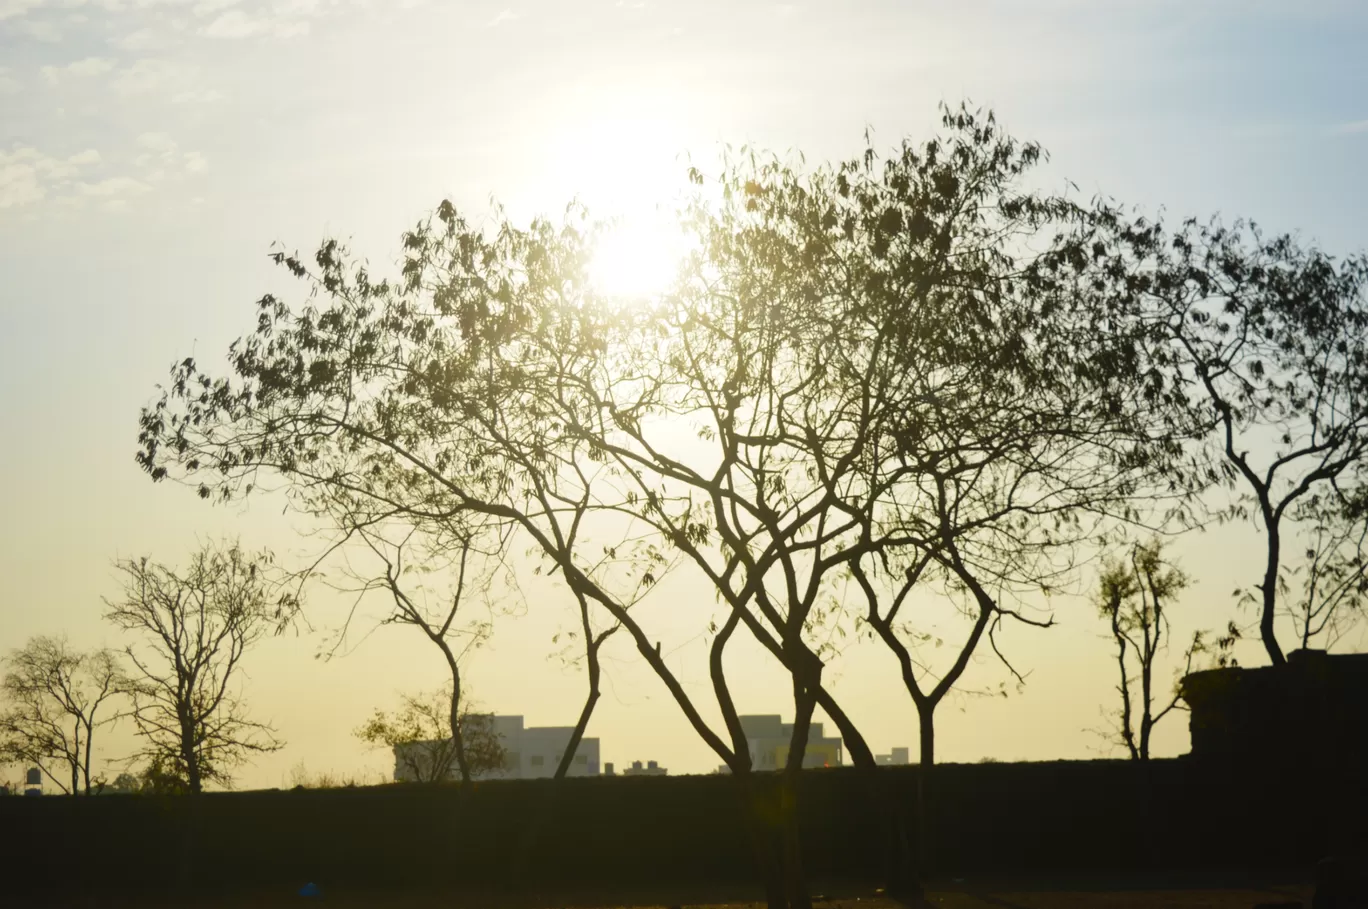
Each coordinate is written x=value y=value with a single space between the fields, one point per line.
x=152 y=150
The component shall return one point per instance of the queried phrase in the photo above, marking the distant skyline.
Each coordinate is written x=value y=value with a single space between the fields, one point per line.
x=152 y=150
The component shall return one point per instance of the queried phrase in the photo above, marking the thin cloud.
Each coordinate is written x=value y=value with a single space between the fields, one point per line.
x=90 y=66
x=8 y=84
x=235 y=24
x=28 y=176
x=507 y=15
x=1351 y=128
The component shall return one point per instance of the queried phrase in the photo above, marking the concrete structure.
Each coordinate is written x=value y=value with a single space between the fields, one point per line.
x=651 y=769
x=1313 y=712
x=897 y=758
x=533 y=752
x=768 y=737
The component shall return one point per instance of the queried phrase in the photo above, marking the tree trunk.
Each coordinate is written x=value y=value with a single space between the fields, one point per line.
x=577 y=734
x=902 y=875
x=90 y=738
x=795 y=881
x=457 y=740
x=1270 y=591
x=926 y=762
x=193 y=776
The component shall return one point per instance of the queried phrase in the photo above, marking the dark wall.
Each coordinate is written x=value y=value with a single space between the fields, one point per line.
x=634 y=835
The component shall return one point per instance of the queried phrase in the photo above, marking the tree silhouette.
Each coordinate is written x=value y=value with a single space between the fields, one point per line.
x=56 y=700
x=1267 y=339
x=196 y=625
x=1134 y=595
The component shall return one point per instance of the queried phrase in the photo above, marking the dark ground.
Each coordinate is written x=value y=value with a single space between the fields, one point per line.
x=1188 y=890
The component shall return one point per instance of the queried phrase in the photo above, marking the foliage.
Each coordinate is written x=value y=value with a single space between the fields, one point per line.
x=419 y=735
x=196 y=625
x=56 y=700
x=1267 y=339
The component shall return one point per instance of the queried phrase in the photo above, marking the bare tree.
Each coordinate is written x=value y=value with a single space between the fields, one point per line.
x=1134 y=597
x=453 y=639
x=196 y=626
x=57 y=699
x=419 y=736
x=1327 y=590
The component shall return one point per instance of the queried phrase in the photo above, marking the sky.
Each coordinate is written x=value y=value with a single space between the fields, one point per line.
x=151 y=151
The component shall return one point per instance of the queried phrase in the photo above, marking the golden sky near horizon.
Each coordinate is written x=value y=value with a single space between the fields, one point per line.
x=151 y=150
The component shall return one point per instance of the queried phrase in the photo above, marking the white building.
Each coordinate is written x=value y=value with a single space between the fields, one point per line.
x=532 y=752
x=768 y=739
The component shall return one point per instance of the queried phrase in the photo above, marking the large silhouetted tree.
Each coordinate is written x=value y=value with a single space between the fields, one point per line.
x=758 y=424
x=1268 y=338
x=55 y=700
x=195 y=625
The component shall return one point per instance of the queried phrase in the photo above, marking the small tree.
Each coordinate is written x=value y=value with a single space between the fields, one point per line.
x=419 y=734
x=454 y=640
x=57 y=699
x=1134 y=596
x=196 y=626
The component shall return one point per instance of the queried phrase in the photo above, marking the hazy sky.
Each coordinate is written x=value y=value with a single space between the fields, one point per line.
x=151 y=150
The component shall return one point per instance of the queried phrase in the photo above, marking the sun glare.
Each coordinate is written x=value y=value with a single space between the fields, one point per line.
x=636 y=260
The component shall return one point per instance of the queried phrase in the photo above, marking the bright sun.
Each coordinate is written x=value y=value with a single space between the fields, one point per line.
x=636 y=260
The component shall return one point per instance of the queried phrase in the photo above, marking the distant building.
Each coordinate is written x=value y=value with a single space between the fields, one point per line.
x=896 y=758
x=533 y=752
x=651 y=769
x=768 y=739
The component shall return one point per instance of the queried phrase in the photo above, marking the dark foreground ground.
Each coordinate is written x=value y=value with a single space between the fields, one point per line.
x=1188 y=890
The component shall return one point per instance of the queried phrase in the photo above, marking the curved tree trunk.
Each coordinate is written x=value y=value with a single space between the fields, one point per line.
x=577 y=734
x=457 y=740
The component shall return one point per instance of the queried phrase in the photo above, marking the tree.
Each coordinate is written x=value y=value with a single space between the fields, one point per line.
x=57 y=699
x=909 y=383
x=419 y=735
x=1268 y=339
x=196 y=626
x=492 y=382
x=440 y=628
x=1134 y=596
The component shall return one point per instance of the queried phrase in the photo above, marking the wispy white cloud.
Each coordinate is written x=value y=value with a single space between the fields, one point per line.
x=507 y=15
x=236 y=23
x=198 y=96
x=1351 y=127
x=10 y=9
x=8 y=84
x=80 y=69
x=161 y=158
x=143 y=39
x=150 y=74
x=38 y=29
x=28 y=176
